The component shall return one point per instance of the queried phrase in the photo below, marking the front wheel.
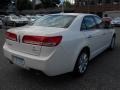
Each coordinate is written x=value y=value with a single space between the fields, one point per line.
x=113 y=43
x=82 y=63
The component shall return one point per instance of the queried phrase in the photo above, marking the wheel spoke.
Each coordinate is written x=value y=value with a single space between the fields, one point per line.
x=83 y=63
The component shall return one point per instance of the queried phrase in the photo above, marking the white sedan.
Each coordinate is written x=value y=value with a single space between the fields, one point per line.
x=116 y=21
x=59 y=43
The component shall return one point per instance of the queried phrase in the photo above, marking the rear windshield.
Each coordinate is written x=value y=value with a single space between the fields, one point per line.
x=60 y=21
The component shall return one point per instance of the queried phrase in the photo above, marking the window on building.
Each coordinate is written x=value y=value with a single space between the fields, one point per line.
x=116 y=0
x=99 y=1
x=108 y=1
x=83 y=3
x=92 y=2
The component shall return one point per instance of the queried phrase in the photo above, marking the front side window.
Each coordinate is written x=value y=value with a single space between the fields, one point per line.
x=60 y=21
x=102 y=24
x=99 y=22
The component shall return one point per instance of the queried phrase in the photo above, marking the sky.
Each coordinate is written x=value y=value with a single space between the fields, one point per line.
x=72 y=1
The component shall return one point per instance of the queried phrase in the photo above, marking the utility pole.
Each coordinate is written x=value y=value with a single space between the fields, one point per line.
x=63 y=8
x=16 y=4
x=88 y=6
x=62 y=2
x=33 y=4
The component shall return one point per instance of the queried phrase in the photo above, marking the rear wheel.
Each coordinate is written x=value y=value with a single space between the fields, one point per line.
x=82 y=63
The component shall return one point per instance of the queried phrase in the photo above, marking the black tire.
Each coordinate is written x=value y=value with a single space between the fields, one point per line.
x=113 y=43
x=81 y=65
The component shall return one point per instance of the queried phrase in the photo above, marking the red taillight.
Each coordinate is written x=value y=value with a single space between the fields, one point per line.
x=11 y=36
x=42 y=40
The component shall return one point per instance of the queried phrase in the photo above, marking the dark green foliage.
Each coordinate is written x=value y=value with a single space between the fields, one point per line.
x=24 y=5
x=4 y=3
x=50 y=3
x=67 y=4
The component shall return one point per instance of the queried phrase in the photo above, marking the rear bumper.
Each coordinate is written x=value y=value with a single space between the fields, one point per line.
x=30 y=60
x=54 y=65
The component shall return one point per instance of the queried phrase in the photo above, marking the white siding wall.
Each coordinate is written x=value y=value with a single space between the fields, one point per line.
x=112 y=14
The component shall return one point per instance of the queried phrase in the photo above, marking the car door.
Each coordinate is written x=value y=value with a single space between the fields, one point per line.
x=107 y=32
x=94 y=36
x=108 y=36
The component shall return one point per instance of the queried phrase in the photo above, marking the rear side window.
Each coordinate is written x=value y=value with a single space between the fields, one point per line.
x=88 y=23
x=83 y=25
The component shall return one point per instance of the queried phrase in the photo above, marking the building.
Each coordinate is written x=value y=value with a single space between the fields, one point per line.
x=97 y=6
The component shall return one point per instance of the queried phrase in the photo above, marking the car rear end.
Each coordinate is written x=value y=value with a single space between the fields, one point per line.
x=31 y=51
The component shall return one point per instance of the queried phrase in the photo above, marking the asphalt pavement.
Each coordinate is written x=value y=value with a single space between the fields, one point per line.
x=103 y=74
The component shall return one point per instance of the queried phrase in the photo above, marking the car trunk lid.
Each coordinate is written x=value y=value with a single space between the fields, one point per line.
x=32 y=49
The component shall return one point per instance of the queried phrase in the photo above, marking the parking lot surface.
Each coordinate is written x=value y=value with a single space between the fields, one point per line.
x=103 y=74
